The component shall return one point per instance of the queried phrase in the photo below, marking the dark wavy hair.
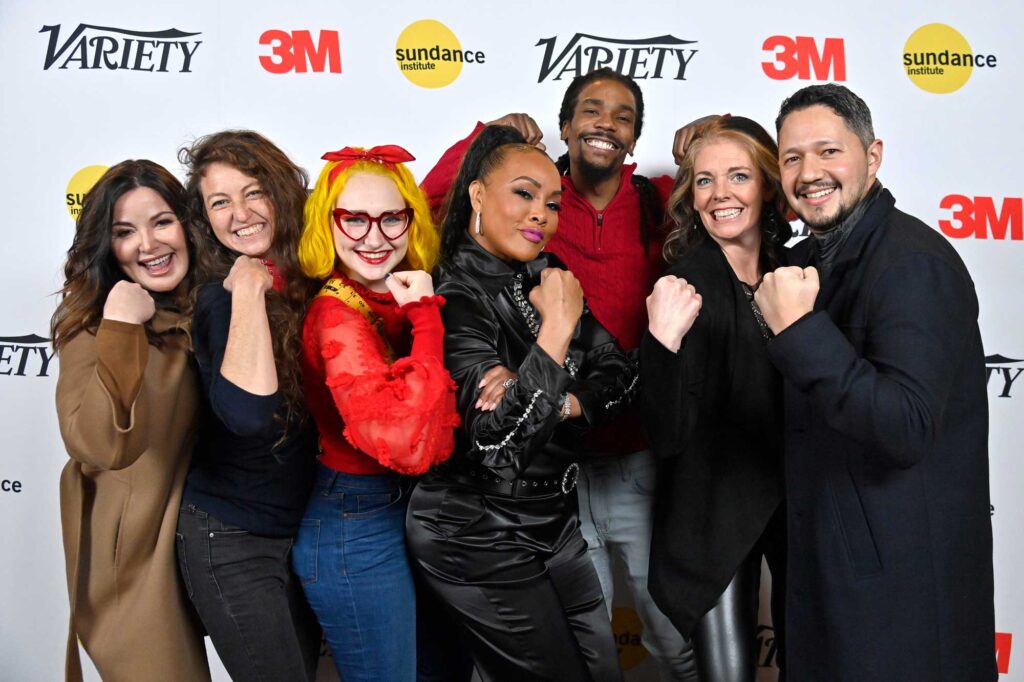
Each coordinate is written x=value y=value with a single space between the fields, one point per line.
x=91 y=270
x=689 y=230
x=487 y=151
x=284 y=184
x=652 y=213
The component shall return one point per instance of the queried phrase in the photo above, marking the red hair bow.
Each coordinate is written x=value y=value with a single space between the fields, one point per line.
x=386 y=154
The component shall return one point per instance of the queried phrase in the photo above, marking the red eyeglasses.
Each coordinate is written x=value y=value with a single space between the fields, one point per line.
x=356 y=225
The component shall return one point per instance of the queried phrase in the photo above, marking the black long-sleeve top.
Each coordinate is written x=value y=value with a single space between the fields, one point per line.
x=237 y=473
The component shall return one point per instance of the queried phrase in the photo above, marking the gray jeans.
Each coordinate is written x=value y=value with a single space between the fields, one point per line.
x=616 y=517
x=249 y=601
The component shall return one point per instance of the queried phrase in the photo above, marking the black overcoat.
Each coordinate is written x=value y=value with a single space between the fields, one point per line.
x=886 y=459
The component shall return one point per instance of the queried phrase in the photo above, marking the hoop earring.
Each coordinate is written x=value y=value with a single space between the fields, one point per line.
x=477 y=224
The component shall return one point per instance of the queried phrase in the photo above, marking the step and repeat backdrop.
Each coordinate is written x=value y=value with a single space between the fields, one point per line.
x=85 y=85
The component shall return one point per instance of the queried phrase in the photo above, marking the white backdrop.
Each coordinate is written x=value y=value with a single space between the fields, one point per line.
x=69 y=101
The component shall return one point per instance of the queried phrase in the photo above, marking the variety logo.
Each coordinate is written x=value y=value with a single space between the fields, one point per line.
x=768 y=650
x=979 y=216
x=22 y=356
x=103 y=47
x=938 y=59
x=297 y=52
x=1004 y=641
x=799 y=57
x=628 y=629
x=431 y=56
x=644 y=58
x=1001 y=373
x=79 y=185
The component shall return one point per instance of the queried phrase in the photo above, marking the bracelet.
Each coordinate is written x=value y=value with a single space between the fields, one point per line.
x=566 y=407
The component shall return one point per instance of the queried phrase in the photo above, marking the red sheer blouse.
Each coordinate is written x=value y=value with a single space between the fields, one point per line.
x=374 y=417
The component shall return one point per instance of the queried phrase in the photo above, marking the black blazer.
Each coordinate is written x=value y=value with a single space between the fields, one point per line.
x=712 y=411
x=890 y=560
x=524 y=436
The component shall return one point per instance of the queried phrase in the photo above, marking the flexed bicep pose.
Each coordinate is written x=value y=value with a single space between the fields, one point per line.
x=373 y=368
x=712 y=400
x=254 y=460
x=127 y=402
x=495 y=530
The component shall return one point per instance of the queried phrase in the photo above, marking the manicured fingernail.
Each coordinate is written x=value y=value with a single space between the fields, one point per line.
x=387 y=275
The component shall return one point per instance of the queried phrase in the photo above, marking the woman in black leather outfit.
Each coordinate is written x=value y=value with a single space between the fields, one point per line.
x=712 y=400
x=494 y=530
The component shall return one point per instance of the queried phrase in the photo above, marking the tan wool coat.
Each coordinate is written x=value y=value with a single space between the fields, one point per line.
x=128 y=413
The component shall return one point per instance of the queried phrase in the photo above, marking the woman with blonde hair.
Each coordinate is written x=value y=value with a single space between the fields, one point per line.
x=376 y=385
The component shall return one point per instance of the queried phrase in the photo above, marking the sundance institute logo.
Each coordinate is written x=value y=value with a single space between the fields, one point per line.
x=937 y=58
x=431 y=56
x=79 y=184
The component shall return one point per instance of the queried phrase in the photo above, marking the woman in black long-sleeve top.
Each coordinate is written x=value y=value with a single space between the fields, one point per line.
x=495 y=530
x=253 y=464
x=712 y=399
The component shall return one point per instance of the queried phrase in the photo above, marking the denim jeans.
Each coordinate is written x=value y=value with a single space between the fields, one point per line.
x=248 y=600
x=350 y=556
x=616 y=518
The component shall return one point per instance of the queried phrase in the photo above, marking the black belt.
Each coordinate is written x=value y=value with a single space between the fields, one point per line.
x=482 y=478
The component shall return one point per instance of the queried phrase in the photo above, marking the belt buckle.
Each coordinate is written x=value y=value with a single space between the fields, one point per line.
x=572 y=472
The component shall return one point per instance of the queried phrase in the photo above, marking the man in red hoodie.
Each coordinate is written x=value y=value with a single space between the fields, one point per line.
x=610 y=236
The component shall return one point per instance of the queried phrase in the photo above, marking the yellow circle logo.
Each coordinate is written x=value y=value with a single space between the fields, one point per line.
x=80 y=183
x=627 y=628
x=429 y=54
x=937 y=58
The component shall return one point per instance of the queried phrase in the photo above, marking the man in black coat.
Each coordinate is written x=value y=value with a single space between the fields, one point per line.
x=890 y=556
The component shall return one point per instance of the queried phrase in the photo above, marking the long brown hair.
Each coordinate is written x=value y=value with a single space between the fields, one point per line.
x=284 y=184
x=689 y=230
x=91 y=270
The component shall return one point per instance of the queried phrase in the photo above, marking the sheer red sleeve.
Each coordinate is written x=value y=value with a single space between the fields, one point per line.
x=402 y=415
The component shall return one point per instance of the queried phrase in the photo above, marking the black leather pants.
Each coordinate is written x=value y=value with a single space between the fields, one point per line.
x=726 y=639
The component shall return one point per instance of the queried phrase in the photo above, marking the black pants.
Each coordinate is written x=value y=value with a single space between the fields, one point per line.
x=526 y=613
x=726 y=638
x=248 y=599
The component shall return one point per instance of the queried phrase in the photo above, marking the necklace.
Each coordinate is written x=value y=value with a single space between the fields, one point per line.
x=758 y=315
x=529 y=314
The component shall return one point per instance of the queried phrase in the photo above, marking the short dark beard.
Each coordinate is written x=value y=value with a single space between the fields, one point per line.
x=594 y=175
x=835 y=221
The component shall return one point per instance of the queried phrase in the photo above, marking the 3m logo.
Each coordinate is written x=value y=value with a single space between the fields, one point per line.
x=1004 y=640
x=799 y=57
x=978 y=216
x=296 y=52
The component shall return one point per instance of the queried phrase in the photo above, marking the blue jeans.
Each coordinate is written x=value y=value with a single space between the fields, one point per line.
x=350 y=556
x=616 y=517
x=247 y=598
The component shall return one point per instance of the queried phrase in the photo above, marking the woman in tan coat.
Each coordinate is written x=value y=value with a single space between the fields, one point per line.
x=127 y=401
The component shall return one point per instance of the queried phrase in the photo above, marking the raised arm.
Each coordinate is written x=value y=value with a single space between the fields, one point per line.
x=98 y=393
x=923 y=314
x=403 y=414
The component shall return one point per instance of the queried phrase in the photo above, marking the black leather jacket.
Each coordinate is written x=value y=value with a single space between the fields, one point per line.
x=484 y=327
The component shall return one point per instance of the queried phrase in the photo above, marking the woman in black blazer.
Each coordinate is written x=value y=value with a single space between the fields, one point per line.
x=494 y=530
x=713 y=400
